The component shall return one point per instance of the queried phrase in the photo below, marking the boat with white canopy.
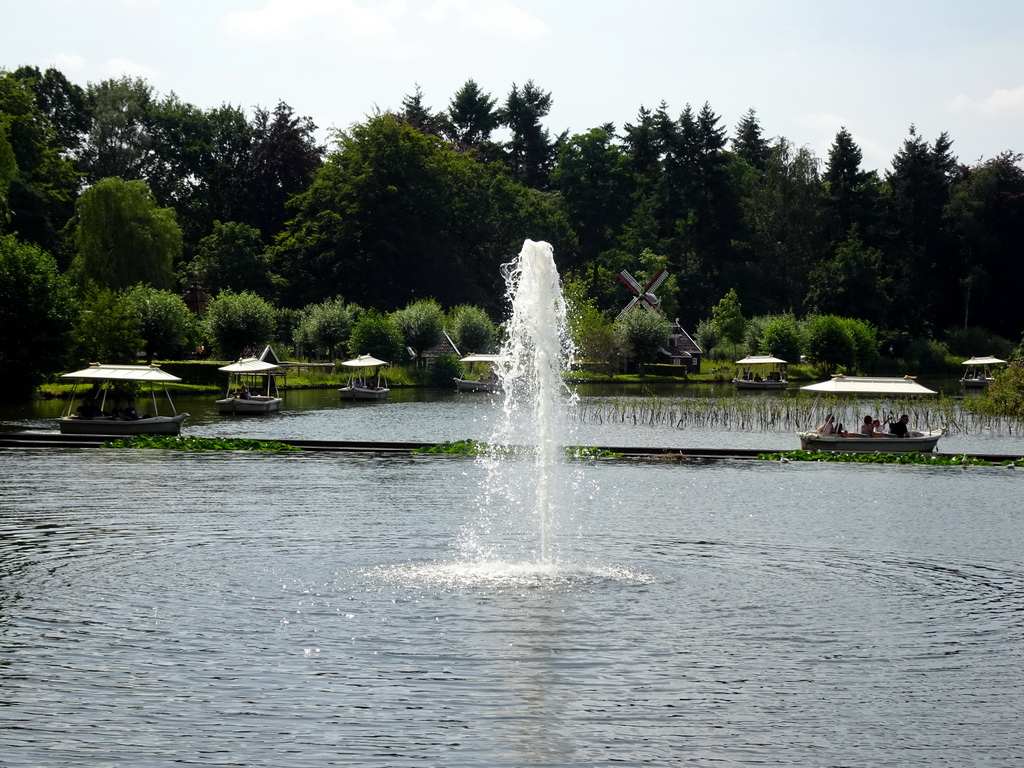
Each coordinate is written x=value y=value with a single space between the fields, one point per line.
x=977 y=372
x=484 y=381
x=252 y=387
x=761 y=372
x=828 y=437
x=107 y=407
x=366 y=380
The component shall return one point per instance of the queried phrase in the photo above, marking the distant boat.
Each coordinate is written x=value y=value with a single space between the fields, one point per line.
x=483 y=382
x=252 y=387
x=977 y=372
x=825 y=440
x=366 y=380
x=101 y=411
x=761 y=372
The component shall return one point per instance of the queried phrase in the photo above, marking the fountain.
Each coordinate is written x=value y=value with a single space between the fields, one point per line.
x=526 y=474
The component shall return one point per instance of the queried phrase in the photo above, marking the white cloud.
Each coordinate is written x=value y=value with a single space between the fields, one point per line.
x=292 y=19
x=119 y=67
x=1000 y=102
x=492 y=18
x=68 y=63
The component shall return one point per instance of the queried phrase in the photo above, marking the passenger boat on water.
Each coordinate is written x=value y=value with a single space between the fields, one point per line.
x=366 y=380
x=107 y=407
x=761 y=372
x=830 y=436
x=977 y=372
x=252 y=387
x=485 y=381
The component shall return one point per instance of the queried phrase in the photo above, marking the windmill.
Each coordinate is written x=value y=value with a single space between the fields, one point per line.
x=642 y=296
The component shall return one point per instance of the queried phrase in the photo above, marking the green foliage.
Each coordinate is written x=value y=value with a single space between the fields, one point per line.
x=927 y=356
x=394 y=214
x=706 y=335
x=644 y=334
x=324 y=328
x=195 y=443
x=830 y=343
x=37 y=179
x=974 y=341
x=444 y=369
x=166 y=325
x=233 y=258
x=865 y=342
x=376 y=334
x=123 y=238
x=235 y=321
x=782 y=337
x=471 y=330
x=1004 y=396
x=420 y=323
x=880 y=457
x=108 y=329
x=35 y=313
x=727 y=315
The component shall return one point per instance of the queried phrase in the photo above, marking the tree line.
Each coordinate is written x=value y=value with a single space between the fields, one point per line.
x=122 y=186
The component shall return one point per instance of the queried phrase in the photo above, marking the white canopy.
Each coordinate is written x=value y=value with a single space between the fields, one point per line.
x=364 y=361
x=474 y=358
x=868 y=385
x=983 y=361
x=249 y=365
x=122 y=373
x=755 y=359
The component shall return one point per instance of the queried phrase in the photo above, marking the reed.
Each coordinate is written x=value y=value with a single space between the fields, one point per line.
x=770 y=413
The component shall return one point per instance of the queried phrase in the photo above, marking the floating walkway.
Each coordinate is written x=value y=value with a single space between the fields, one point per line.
x=58 y=440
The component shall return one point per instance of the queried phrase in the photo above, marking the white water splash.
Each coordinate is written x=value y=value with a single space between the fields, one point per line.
x=527 y=478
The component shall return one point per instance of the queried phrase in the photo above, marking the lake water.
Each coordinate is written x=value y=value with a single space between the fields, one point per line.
x=226 y=609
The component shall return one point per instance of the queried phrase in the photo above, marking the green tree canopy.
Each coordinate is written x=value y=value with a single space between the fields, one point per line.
x=376 y=334
x=237 y=321
x=107 y=330
x=325 y=328
x=166 y=325
x=643 y=334
x=727 y=315
x=421 y=324
x=782 y=337
x=830 y=344
x=233 y=257
x=36 y=314
x=471 y=330
x=123 y=238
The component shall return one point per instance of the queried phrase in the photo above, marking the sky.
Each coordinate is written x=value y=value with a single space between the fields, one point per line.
x=808 y=67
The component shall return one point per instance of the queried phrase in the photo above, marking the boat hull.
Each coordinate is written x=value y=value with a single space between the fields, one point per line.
x=975 y=383
x=744 y=384
x=155 y=425
x=469 y=385
x=916 y=441
x=253 y=405
x=363 y=393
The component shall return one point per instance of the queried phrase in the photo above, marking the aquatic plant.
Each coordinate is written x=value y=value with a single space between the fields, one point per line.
x=878 y=457
x=195 y=443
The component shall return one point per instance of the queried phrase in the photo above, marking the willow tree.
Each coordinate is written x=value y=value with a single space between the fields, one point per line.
x=123 y=238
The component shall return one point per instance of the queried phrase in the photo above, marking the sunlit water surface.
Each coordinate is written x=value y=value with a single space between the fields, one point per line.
x=228 y=609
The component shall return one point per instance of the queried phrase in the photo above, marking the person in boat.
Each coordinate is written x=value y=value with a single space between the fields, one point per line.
x=244 y=394
x=829 y=427
x=87 y=410
x=867 y=429
x=899 y=428
x=128 y=413
x=358 y=384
